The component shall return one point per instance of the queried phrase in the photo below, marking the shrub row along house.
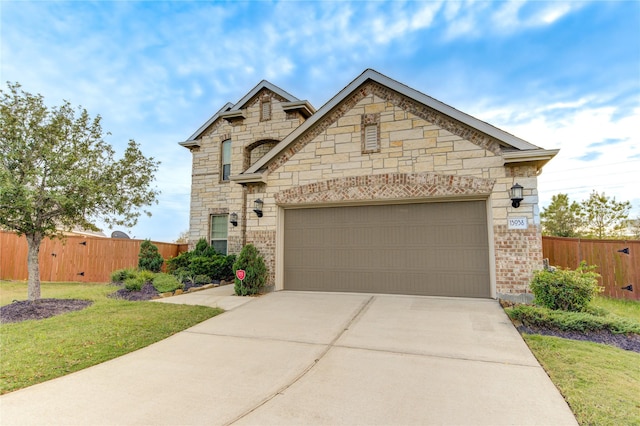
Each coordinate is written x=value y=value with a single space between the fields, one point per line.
x=383 y=189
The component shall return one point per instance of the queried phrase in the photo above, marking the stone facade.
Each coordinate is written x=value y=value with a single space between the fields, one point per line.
x=423 y=155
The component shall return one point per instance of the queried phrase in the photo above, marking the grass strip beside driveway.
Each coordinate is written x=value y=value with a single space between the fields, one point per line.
x=36 y=351
x=601 y=383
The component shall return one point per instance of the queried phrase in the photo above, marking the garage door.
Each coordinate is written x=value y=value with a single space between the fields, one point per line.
x=435 y=249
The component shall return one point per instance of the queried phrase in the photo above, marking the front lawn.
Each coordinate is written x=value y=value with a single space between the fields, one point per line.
x=36 y=351
x=601 y=383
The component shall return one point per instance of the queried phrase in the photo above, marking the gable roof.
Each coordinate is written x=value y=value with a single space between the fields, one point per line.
x=229 y=109
x=191 y=142
x=506 y=139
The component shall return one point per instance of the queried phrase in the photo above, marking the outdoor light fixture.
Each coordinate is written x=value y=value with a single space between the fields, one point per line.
x=233 y=218
x=257 y=207
x=516 y=195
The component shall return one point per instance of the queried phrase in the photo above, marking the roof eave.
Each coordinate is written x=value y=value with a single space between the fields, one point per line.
x=209 y=122
x=539 y=157
x=190 y=144
x=304 y=107
x=246 y=178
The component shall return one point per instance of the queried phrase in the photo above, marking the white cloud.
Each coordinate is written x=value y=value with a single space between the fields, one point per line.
x=617 y=169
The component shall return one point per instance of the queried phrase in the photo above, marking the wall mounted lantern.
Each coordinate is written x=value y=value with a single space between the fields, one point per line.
x=257 y=207
x=516 y=195
x=233 y=218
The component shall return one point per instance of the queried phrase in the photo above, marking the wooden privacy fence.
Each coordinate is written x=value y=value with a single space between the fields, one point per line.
x=617 y=268
x=76 y=258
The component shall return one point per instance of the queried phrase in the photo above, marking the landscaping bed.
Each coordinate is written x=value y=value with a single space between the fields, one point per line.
x=40 y=309
x=628 y=342
x=597 y=327
x=24 y=310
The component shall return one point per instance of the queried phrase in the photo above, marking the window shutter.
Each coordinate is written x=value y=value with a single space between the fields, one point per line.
x=371 y=138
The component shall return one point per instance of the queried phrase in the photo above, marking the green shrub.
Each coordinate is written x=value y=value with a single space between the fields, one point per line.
x=565 y=289
x=204 y=249
x=202 y=265
x=203 y=260
x=165 y=283
x=201 y=279
x=133 y=280
x=180 y=261
x=256 y=271
x=184 y=275
x=534 y=316
x=120 y=275
x=134 y=283
x=149 y=258
x=146 y=276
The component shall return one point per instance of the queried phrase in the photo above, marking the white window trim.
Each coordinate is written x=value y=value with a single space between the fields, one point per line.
x=226 y=239
x=222 y=163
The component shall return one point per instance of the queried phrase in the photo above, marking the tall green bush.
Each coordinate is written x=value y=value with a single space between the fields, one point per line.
x=149 y=257
x=565 y=289
x=253 y=264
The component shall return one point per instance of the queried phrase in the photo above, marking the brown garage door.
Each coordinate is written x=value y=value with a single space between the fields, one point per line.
x=436 y=249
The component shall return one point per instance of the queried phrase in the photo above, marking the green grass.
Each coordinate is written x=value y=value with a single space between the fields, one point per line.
x=601 y=383
x=623 y=308
x=36 y=351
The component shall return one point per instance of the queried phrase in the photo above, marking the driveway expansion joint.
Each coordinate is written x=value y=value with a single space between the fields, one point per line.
x=434 y=355
x=306 y=370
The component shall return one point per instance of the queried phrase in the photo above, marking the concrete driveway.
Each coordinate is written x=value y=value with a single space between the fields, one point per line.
x=314 y=358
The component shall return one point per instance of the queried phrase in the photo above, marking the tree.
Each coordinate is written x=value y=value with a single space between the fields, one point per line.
x=251 y=261
x=561 y=218
x=57 y=172
x=183 y=237
x=604 y=216
x=635 y=227
x=149 y=258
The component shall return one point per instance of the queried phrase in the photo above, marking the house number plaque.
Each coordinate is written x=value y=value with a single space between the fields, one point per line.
x=517 y=223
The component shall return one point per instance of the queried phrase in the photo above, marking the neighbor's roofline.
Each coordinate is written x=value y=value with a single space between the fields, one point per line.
x=370 y=74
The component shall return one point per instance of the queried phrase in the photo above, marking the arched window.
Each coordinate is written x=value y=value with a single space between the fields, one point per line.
x=225 y=165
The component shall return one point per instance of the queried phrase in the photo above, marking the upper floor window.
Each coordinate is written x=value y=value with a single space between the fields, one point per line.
x=226 y=160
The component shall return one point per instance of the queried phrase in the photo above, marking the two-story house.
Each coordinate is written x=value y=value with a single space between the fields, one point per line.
x=383 y=189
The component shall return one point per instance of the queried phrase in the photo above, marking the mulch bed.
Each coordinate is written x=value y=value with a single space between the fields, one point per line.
x=39 y=309
x=147 y=292
x=629 y=342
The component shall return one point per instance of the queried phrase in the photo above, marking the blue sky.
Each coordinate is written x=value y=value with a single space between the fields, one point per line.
x=559 y=75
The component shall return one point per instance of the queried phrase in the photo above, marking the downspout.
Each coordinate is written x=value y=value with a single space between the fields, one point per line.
x=243 y=220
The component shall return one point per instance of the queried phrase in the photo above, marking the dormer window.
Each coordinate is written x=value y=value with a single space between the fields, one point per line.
x=225 y=165
x=265 y=110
